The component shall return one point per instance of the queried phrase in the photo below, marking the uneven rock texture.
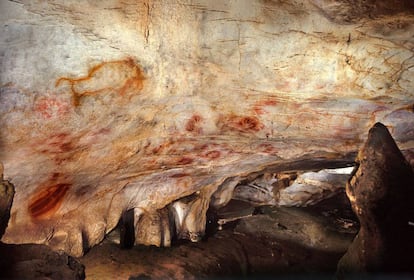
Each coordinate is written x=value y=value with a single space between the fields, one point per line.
x=31 y=261
x=6 y=200
x=381 y=193
x=35 y=261
x=148 y=106
x=272 y=244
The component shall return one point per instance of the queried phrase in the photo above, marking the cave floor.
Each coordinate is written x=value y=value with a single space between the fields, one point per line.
x=274 y=241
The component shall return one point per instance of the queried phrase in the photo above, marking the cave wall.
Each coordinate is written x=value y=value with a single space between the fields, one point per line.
x=108 y=106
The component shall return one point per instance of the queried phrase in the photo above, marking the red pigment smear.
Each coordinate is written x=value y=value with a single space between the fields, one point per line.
x=125 y=76
x=202 y=147
x=51 y=107
x=244 y=123
x=193 y=124
x=62 y=143
x=59 y=147
x=249 y=123
x=185 y=160
x=179 y=175
x=267 y=102
x=47 y=201
x=57 y=143
x=212 y=154
x=161 y=148
x=267 y=148
x=258 y=106
x=157 y=149
x=104 y=131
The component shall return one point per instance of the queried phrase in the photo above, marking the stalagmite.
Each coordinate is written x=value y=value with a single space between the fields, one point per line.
x=381 y=193
x=153 y=229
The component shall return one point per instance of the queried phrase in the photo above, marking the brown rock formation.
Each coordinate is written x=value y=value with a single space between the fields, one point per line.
x=37 y=261
x=6 y=200
x=381 y=193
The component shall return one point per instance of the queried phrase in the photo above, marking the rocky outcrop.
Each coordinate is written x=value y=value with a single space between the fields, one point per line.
x=6 y=200
x=31 y=261
x=275 y=242
x=381 y=193
x=108 y=107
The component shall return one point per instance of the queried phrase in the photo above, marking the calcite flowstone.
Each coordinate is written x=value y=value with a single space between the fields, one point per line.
x=115 y=106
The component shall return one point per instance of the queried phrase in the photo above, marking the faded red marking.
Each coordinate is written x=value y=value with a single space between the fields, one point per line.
x=59 y=147
x=95 y=135
x=249 y=124
x=267 y=148
x=179 y=175
x=48 y=200
x=104 y=131
x=259 y=110
x=193 y=124
x=51 y=107
x=122 y=76
x=258 y=106
x=58 y=143
x=185 y=160
x=269 y=102
x=159 y=149
x=212 y=154
x=244 y=123
x=203 y=147
x=147 y=145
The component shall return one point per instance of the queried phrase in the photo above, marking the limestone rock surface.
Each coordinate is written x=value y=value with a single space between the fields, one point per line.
x=31 y=261
x=287 y=242
x=165 y=106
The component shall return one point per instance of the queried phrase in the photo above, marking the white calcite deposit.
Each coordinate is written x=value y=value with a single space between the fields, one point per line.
x=164 y=106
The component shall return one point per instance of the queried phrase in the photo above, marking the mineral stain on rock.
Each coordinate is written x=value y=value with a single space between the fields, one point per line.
x=121 y=76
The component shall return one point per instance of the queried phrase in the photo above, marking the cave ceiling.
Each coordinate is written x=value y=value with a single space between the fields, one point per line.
x=159 y=106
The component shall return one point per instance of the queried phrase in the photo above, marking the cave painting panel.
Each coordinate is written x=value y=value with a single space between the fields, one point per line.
x=124 y=77
x=228 y=93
